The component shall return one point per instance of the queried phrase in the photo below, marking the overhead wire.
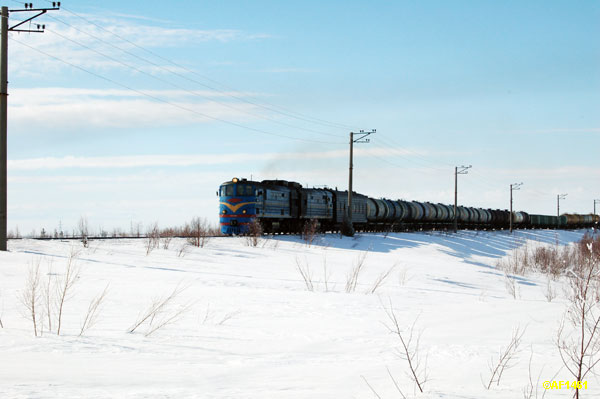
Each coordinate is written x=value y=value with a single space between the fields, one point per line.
x=400 y=151
x=156 y=98
x=269 y=106
x=191 y=92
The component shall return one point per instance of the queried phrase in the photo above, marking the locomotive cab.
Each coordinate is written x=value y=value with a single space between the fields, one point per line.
x=237 y=206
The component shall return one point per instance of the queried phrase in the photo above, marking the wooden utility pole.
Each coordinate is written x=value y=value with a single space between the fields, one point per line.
x=4 y=29
x=514 y=186
x=3 y=120
x=463 y=171
x=361 y=139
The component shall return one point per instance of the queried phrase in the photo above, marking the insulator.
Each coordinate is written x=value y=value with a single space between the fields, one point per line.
x=58 y=4
x=43 y=26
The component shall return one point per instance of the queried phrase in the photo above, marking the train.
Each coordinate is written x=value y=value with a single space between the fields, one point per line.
x=280 y=206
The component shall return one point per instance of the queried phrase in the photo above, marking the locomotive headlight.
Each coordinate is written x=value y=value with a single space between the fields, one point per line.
x=224 y=211
x=235 y=180
x=244 y=211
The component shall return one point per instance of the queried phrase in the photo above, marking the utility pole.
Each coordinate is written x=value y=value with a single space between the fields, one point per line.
x=463 y=171
x=596 y=201
x=4 y=29
x=514 y=186
x=558 y=198
x=361 y=139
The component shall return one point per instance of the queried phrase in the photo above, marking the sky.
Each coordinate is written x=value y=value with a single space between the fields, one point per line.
x=130 y=113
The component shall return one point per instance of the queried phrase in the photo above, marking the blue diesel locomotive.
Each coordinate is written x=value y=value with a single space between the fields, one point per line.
x=285 y=207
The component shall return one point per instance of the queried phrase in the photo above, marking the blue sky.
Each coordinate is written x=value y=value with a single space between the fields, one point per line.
x=137 y=111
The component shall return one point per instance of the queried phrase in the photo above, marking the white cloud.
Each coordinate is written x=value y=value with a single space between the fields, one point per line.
x=40 y=95
x=133 y=161
x=65 y=108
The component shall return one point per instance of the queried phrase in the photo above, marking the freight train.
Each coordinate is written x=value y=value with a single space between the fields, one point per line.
x=281 y=206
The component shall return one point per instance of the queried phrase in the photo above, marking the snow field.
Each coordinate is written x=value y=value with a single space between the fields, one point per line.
x=254 y=330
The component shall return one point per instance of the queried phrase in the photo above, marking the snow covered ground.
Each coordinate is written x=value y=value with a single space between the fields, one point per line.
x=254 y=330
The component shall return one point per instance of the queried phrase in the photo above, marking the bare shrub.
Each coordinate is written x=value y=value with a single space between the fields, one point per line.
x=409 y=349
x=549 y=291
x=182 y=250
x=31 y=295
x=352 y=277
x=209 y=315
x=530 y=390
x=310 y=230
x=14 y=234
x=198 y=232
x=402 y=276
x=83 y=229
x=506 y=358
x=161 y=312
x=544 y=259
x=380 y=280
x=166 y=237
x=227 y=317
x=325 y=274
x=47 y=293
x=305 y=273
x=511 y=285
x=91 y=316
x=135 y=229
x=547 y=260
x=515 y=263
x=152 y=238
x=275 y=244
x=254 y=233
x=588 y=240
x=393 y=380
x=552 y=260
x=370 y=387
x=579 y=347
x=65 y=285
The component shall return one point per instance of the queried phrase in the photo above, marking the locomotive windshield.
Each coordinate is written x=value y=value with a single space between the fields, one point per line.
x=229 y=190
x=245 y=189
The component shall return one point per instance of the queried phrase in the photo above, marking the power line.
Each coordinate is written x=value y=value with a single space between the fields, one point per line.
x=171 y=103
x=399 y=150
x=271 y=107
x=185 y=89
